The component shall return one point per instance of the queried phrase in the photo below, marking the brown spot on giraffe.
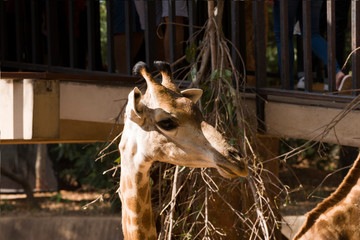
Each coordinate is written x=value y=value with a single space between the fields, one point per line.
x=132 y=204
x=143 y=193
x=139 y=177
x=138 y=235
x=147 y=219
x=129 y=183
x=153 y=237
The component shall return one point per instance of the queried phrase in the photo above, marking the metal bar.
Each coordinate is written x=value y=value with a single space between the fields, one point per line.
x=330 y=5
x=303 y=95
x=260 y=44
x=306 y=32
x=355 y=43
x=90 y=34
x=284 y=40
x=34 y=25
x=150 y=29
x=18 y=27
x=2 y=32
x=260 y=61
x=129 y=35
x=110 y=34
x=172 y=33
x=192 y=19
x=36 y=34
x=66 y=71
x=72 y=34
x=49 y=32
x=237 y=27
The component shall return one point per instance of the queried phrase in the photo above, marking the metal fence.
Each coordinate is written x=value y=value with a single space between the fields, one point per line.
x=64 y=36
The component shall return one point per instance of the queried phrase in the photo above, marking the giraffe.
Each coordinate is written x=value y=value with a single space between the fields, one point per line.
x=165 y=125
x=337 y=217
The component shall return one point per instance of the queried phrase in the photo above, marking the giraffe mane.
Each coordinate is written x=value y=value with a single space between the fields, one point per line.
x=341 y=192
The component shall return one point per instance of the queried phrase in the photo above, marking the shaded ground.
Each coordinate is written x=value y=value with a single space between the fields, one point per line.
x=63 y=203
x=71 y=203
x=309 y=188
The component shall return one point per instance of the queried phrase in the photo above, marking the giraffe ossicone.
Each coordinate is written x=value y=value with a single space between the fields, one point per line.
x=165 y=125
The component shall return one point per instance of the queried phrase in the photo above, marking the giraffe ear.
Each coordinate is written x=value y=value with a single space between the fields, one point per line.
x=135 y=107
x=194 y=94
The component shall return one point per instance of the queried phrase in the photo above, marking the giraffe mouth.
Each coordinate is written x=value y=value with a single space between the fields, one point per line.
x=232 y=170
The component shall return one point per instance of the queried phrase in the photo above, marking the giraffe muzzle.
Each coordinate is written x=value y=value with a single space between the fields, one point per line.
x=233 y=166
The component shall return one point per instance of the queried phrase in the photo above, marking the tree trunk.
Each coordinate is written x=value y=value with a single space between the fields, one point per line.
x=40 y=167
x=23 y=182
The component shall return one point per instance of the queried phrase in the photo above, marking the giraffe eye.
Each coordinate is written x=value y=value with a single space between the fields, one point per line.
x=167 y=124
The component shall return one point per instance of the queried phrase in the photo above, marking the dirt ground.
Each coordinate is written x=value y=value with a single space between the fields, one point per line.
x=62 y=203
x=73 y=203
x=308 y=188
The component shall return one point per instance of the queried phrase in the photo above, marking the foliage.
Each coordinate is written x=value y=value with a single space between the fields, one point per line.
x=77 y=168
x=6 y=206
x=322 y=156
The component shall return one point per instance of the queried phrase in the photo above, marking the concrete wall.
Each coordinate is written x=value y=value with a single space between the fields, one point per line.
x=60 y=228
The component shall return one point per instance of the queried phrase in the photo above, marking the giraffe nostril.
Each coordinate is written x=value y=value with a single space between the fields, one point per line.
x=234 y=154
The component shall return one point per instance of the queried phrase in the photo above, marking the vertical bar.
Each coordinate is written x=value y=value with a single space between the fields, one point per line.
x=49 y=32
x=35 y=32
x=260 y=44
x=90 y=34
x=192 y=20
x=355 y=43
x=284 y=40
x=150 y=29
x=237 y=27
x=18 y=26
x=306 y=32
x=129 y=35
x=2 y=32
x=260 y=60
x=53 y=31
x=72 y=34
x=110 y=34
x=330 y=5
x=172 y=32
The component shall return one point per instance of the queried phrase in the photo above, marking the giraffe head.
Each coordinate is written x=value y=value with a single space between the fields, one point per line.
x=166 y=125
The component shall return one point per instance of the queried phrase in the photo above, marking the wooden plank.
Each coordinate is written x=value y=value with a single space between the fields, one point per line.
x=101 y=77
x=310 y=123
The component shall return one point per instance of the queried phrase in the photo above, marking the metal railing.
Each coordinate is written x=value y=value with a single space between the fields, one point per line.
x=64 y=36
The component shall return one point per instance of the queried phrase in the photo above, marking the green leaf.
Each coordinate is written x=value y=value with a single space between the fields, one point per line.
x=214 y=75
x=227 y=73
x=118 y=160
x=190 y=52
x=193 y=74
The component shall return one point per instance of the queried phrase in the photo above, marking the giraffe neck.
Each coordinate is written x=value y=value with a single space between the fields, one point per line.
x=348 y=192
x=137 y=216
